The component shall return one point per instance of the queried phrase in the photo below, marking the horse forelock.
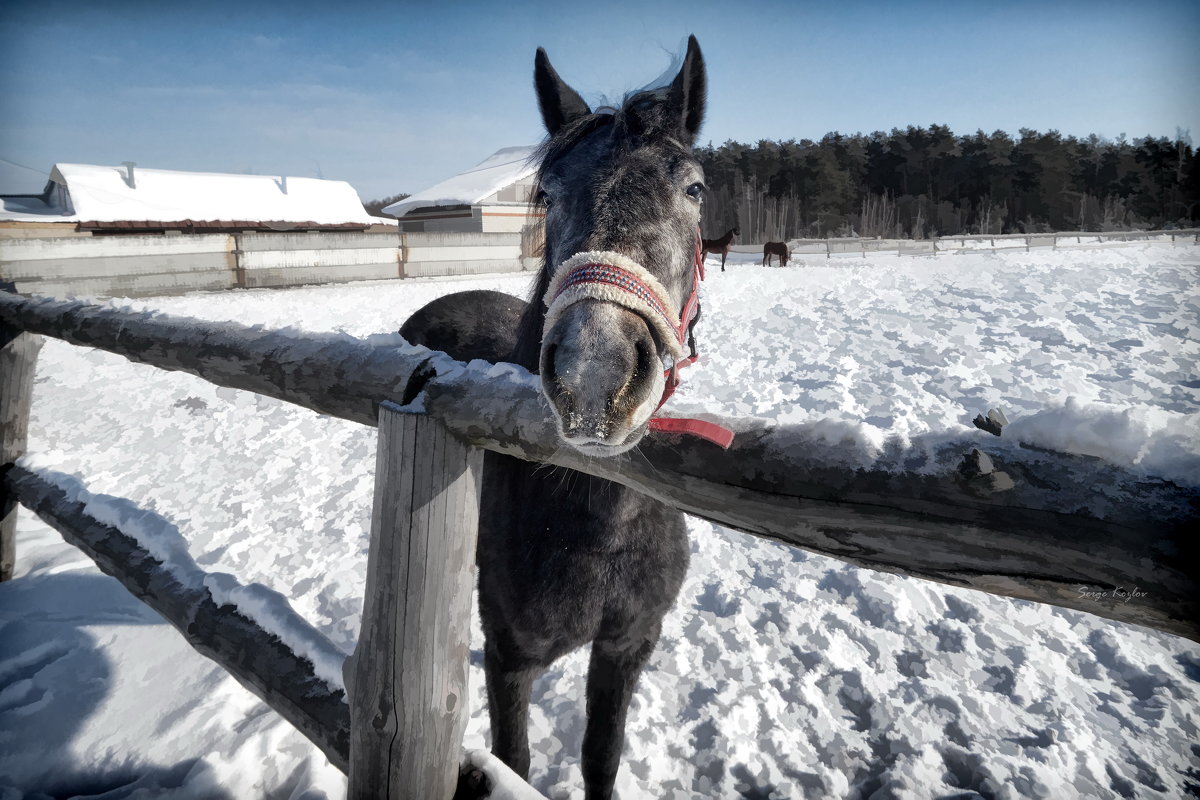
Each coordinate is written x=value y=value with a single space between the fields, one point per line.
x=644 y=112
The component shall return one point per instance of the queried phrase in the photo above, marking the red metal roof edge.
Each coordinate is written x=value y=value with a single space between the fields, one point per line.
x=279 y=226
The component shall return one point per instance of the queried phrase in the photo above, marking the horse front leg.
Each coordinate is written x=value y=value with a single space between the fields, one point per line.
x=612 y=676
x=509 y=685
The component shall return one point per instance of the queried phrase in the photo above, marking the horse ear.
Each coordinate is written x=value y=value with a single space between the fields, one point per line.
x=687 y=93
x=559 y=103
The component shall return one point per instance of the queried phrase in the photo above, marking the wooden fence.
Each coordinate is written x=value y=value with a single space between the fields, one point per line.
x=974 y=243
x=976 y=511
x=134 y=266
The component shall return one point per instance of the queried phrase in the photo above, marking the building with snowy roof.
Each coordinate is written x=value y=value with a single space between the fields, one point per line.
x=491 y=197
x=82 y=198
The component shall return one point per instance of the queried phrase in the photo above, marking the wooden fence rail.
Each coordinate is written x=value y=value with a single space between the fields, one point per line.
x=1036 y=525
x=971 y=242
x=134 y=266
x=258 y=660
x=1043 y=526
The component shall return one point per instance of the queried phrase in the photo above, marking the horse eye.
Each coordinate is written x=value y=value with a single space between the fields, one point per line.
x=542 y=199
x=695 y=191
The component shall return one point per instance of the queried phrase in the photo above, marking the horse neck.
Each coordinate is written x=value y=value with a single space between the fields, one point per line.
x=528 y=348
x=585 y=495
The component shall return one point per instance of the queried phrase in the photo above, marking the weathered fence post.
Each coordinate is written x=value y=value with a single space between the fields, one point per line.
x=18 y=362
x=407 y=680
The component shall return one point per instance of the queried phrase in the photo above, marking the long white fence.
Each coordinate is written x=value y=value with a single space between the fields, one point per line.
x=969 y=243
x=152 y=265
x=132 y=266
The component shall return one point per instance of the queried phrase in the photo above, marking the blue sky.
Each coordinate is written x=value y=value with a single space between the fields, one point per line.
x=395 y=96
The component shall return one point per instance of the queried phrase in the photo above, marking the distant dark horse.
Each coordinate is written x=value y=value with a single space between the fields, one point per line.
x=776 y=249
x=566 y=558
x=721 y=245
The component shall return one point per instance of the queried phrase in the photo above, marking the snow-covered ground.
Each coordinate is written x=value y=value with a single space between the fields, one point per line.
x=780 y=674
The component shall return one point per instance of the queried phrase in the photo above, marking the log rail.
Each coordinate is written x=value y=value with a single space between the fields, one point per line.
x=973 y=510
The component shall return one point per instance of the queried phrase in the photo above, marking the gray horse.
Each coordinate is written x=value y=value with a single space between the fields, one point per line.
x=565 y=560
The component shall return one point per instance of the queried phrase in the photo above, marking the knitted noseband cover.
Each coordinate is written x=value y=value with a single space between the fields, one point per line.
x=614 y=278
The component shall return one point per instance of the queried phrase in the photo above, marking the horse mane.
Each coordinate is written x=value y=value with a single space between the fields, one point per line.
x=567 y=138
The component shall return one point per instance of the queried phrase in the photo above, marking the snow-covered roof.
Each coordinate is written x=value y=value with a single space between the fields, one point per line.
x=109 y=194
x=34 y=208
x=500 y=169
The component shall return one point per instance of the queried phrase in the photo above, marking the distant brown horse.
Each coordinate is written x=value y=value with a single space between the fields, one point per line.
x=776 y=249
x=720 y=245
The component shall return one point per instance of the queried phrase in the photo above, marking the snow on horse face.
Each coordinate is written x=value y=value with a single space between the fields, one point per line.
x=621 y=191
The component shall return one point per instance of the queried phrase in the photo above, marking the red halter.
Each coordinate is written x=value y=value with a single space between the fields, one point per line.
x=717 y=434
x=623 y=284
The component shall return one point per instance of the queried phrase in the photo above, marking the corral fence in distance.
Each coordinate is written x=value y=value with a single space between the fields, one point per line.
x=973 y=243
x=140 y=266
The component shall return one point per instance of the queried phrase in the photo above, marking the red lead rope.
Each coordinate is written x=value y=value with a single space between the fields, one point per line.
x=717 y=434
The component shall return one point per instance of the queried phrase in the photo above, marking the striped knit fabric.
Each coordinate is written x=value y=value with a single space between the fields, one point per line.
x=614 y=278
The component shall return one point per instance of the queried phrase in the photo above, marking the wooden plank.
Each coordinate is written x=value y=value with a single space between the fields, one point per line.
x=427 y=269
x=463 y=253
x=295 y=259
x=329 y=373
x=113 y=247
x=257 y=659
x=10 y=229
x=806 y=248
x=1064 y=528
x=131 y=285
x=460 y=239
x=1042 y=526
x=407 y=679
x=299 y=276
x=18 y=364
x=321 y=240
x=82 y=267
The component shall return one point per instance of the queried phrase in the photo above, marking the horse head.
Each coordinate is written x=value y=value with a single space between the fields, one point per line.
x=622 y=192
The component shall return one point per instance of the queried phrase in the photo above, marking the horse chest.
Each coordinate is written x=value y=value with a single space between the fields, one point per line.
x=560 y=566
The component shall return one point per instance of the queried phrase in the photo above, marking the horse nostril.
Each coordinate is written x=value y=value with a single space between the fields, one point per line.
x=645 y=358
x=557 y=389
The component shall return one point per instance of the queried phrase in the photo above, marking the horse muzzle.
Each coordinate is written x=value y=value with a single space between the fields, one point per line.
x=601 y=371
x=611 y=349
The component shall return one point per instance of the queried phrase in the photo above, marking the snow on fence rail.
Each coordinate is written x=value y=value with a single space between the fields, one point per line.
x=973 y=242
x=134 y=266
x=1031 y=524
